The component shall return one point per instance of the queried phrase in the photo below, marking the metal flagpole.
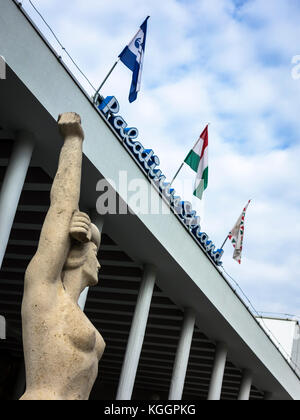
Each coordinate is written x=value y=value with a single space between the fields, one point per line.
x=227 y=237
x=109 y=73
x=177 y=173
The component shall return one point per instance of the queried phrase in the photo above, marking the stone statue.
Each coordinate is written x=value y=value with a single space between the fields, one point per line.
x=62 y=348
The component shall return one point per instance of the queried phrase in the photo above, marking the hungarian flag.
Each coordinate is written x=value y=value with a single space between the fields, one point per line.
x=236 y=235
x=197 y=159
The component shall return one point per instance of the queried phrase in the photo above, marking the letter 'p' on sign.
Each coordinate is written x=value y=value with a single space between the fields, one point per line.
x=2 y=328
x=2 y=68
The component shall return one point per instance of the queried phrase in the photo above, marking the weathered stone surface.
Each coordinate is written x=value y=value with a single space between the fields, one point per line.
x=62 y=348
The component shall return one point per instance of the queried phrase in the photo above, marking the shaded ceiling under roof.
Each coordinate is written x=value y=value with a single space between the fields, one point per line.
x=110 y=306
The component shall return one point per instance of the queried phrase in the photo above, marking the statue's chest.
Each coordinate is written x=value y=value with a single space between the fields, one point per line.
x=80 y=331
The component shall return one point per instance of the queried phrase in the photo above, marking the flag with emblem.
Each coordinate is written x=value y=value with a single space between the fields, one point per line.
x=197 y=159
x=133 y=57
x=236 y=235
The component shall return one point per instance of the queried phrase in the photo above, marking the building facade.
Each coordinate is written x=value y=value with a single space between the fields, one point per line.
x=174 y=329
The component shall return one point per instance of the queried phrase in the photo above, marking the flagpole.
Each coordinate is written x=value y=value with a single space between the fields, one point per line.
x=227 y=237
x=109 y=73
x=175 y=176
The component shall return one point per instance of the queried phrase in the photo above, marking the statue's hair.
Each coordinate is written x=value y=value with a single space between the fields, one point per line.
x=78 y=251
x=77 y=256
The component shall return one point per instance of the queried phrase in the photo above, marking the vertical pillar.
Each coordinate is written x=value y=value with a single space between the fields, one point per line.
x=82 y=298
x=99 y=222
x=137 y=334
x=215 y=387
x=182 y=355
x=2 y=328
x=245 y=389
x=12 y=186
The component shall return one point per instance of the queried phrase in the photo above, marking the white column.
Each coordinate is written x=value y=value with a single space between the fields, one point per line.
x=137 y=334
x=215 y=387
x=2 y=328
x=12 y=186
x=245 y=389
x=82 y=298
x=99 y=222
x=182 y=355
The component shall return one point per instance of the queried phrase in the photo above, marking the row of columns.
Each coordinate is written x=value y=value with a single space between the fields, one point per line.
x=135 y=343
x=9 y=198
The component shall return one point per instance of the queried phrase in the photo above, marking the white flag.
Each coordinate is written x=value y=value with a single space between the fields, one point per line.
x=236 y=235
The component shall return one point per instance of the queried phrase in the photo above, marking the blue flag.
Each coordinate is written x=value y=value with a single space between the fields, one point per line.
x=133 y=56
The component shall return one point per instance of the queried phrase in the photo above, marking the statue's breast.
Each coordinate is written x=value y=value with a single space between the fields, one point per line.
x=80 y=331
x=83 y=338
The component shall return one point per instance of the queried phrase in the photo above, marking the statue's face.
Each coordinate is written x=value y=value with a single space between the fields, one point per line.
x=91 y=265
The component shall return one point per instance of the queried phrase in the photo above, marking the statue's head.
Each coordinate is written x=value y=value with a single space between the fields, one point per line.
x=83 y=255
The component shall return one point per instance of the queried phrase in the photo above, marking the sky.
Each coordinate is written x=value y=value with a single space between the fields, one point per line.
x=233 y=64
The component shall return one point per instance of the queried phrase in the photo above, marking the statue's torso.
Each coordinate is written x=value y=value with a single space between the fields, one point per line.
x=62 y=348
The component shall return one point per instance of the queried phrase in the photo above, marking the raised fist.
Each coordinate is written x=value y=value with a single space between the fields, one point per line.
x=69 y=125
x=81 y=227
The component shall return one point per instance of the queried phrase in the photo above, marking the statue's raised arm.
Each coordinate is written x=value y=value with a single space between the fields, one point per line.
x=65 y=190
x=54 y=244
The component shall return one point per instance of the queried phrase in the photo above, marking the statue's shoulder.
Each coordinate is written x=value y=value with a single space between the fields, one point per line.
x=38 y=271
